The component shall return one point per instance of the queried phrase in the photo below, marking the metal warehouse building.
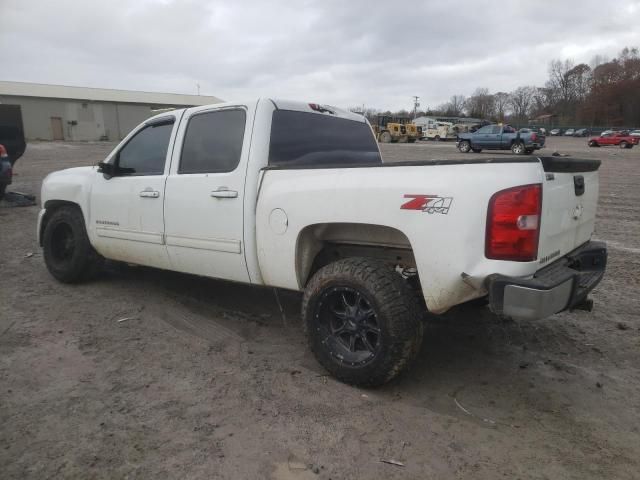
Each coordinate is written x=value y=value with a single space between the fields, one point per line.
x=58 y=112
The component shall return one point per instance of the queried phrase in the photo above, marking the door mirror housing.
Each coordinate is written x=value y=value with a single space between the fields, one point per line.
x=107 y=169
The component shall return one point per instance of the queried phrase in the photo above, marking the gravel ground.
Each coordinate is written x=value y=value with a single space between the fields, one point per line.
x=206 y=379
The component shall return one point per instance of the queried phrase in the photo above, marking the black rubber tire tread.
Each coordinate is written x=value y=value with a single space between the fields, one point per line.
x=85 y=262
x=476 y=150
x=399 y=314
x=3 y=188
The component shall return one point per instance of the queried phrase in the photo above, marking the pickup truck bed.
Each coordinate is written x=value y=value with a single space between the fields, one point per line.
x=296 y=196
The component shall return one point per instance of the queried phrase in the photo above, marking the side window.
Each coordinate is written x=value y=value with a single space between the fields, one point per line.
x=213 y=142
x=486 y=129
x=146 y=152
x=314 y=139
x=496 y=129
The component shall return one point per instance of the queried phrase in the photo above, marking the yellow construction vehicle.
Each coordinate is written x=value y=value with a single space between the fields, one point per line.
x=390 y=129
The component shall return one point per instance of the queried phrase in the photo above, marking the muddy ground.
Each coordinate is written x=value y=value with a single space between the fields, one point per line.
x=206 y=379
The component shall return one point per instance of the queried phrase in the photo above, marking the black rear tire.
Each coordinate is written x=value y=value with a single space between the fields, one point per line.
x=593 y=143
x=362 y=320
x=518 y=148
x=68 y=254
x=3 y=188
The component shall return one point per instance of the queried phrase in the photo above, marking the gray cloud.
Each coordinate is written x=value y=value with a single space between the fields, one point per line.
x=344 y=53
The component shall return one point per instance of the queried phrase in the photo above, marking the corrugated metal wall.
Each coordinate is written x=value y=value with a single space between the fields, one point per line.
x=81 y=121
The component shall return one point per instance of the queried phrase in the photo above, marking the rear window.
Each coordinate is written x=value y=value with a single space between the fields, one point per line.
x=311 y=139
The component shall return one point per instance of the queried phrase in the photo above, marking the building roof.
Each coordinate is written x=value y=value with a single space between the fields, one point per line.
x=41 y=90
x=444 y=118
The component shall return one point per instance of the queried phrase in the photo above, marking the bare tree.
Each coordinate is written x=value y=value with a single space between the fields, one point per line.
x=559 y=80
x=480 y=104
x=521 y=100
x=579 y=79
x=454 y=106
x=500 y=104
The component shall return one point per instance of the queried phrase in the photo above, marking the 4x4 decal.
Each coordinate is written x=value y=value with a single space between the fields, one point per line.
x=428 y=203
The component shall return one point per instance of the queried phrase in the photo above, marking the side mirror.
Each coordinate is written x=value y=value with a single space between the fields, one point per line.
x=107 y=169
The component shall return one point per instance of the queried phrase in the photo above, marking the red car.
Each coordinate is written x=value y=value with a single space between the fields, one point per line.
x=622 y=139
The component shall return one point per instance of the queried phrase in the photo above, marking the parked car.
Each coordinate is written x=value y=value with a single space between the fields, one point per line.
x=296 y=196
x=6 y=171
x=606 y=132
x=555 y=132
x=569 y=132
x=581 y=132
x=621 y=139
x=635 y=133
x=500 y=137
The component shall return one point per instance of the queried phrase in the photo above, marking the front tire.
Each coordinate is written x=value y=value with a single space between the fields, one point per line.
x=624 y=144
x=464 y=146
x=68 y=254
x=362 y=320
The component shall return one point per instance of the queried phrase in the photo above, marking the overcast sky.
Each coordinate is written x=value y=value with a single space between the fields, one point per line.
x=345 y=53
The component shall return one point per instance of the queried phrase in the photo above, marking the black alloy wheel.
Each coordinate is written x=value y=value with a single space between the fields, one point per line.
x=349 y=324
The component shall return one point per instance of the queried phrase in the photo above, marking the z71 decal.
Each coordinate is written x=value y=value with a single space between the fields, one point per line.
x=428 y=203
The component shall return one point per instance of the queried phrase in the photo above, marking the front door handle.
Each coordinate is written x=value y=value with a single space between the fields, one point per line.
x=224 y=192
x=149 y=194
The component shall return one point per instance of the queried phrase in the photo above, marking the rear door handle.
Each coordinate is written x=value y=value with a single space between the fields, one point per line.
x=224 y=192
x=149 y=194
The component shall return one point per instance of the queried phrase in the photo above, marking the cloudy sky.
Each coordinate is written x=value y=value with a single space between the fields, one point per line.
x=344 y=53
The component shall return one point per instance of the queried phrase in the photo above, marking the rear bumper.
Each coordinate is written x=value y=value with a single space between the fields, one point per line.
x=560 y=286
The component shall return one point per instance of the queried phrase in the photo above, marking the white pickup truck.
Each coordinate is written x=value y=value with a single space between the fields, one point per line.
x=296 y=196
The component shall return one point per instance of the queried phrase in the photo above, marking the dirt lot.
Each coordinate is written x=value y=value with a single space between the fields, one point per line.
x=207 y=380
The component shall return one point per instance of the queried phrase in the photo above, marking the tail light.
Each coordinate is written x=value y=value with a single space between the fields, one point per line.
x=513 y=224
x=3 y=152
x=534 y=137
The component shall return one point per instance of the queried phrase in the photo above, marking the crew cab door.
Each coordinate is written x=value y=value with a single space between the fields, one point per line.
x=607 y=139
x=126 y=209
x=507 y=134
x=487 y=137
x=205 y=193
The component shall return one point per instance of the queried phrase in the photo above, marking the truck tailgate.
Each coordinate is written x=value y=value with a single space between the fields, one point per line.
x=569 y=201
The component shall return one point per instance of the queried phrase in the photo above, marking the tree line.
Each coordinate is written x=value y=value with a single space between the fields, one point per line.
x=604 y=93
